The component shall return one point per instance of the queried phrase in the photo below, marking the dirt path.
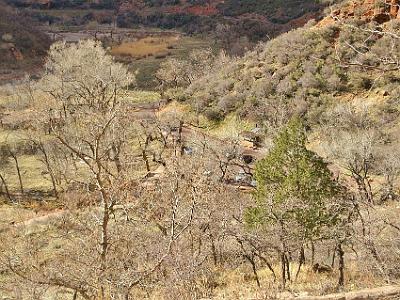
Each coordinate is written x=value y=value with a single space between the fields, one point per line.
x=40 y=220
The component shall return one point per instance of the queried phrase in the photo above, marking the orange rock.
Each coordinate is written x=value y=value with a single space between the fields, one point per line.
x=326 y=22
x=394 y=8
x=16 y=53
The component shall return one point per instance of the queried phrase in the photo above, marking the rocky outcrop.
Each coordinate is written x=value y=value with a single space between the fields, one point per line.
x=386 y=10
x=380 y=11
x=394 y=8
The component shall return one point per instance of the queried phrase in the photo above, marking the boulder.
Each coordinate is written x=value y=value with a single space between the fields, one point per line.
x=7 y=37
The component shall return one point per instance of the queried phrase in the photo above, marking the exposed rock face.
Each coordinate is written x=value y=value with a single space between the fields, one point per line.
x=385 y=10
x=394 y=8
x=380 y=11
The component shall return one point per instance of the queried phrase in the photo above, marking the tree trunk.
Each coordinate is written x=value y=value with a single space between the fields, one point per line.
x=253 y=266
x=333 y=257
x=364 y=186
x=213 y=250
x=49 y=169
x=117 y=161
x=104 y=240
x=146 y=160
x=104 y=235
x=287 y=268
x=21 y=186
x=6 y=187
x=302 y=260
x=283 y=269
x=268 y=265
x=341 y=264
x=312 y=253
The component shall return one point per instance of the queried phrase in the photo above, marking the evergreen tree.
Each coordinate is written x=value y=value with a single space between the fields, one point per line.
x=294 y=183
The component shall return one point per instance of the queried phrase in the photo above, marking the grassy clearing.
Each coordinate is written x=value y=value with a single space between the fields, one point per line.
x=149 y=46
x=12 y=137
x=231 y=127
x=180 y=110
x=147 y=67
x=144 y=97
x=32 y=171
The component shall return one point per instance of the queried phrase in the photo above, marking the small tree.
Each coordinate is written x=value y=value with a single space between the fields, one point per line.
x=294 y=194
x=175 y=73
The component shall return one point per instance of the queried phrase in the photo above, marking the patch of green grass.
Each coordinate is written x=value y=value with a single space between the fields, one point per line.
x=148 y=67
x=231 y=127
x=139 y=96
x=32 y=171
x=12 y=137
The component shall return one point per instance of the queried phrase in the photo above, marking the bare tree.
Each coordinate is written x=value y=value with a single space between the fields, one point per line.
x=388 y=165
x=180 y=73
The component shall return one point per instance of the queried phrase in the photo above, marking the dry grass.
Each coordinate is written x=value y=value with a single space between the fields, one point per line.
x=14 y=214
x=240 y=284
x=32 y=171
x=231 y=127
x=142 y=97
x=12 y=136
x=149 y=46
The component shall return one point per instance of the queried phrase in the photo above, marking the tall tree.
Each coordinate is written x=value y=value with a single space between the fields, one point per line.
x=294 y=193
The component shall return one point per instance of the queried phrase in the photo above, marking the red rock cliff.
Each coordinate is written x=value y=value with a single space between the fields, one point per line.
x=380 y=11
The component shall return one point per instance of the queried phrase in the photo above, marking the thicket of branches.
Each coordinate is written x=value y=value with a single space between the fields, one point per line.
x=128 y=230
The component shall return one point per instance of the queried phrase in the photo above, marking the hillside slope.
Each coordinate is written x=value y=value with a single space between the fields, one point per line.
x=340 y=75
x=323 y=61
x=282 y=182
x=21 y=45
x=254 y=19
